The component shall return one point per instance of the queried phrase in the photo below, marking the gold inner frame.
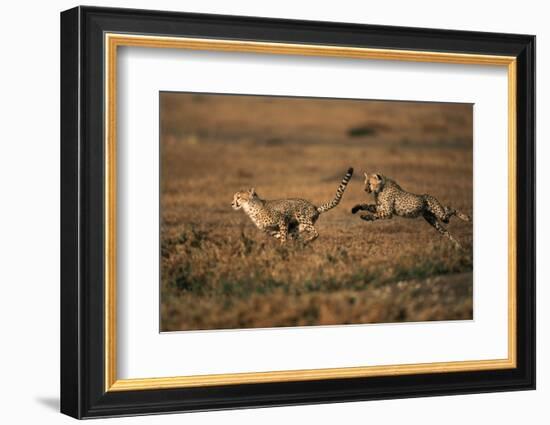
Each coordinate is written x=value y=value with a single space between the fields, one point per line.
x=113 y=41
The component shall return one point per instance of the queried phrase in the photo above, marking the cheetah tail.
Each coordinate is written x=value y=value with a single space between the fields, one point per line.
x=339 y=192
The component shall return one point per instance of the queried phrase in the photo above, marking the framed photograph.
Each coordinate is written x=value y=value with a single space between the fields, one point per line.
x=260 y=212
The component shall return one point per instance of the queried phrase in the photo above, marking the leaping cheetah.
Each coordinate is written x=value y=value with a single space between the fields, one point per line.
x=279 y=218
x=391 y=200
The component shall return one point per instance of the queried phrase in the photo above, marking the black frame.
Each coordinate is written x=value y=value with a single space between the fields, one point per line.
x=82 y=217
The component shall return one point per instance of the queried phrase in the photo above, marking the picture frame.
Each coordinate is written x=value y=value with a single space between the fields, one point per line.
x=90 y=40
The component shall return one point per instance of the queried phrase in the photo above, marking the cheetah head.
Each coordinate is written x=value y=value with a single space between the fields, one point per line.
x=374 y=182
x=243 y=197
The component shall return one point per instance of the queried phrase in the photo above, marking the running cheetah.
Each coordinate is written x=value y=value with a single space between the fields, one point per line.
x=284 y=217
x=391 y=200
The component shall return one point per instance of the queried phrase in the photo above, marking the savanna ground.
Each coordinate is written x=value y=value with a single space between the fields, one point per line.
x=219 y=271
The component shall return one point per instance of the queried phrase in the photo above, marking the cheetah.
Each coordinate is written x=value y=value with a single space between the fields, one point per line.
x=391 y=200
x=286 y=217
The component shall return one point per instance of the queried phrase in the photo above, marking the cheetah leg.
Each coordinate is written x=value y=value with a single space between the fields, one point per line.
x=364 y=207
x=274 y=233
x=436 y=209
x=377 y=215
x=368 y=217
x=311 y=230
x=293 y=230
x=430 y=218
x=451 y=211
x=283 y=232
x=441 y=212
x=292 y=233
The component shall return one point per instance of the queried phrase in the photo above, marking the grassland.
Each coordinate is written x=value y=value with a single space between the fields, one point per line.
x=218 y=271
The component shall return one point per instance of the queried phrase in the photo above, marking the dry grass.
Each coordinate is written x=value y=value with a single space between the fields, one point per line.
x=219 y=271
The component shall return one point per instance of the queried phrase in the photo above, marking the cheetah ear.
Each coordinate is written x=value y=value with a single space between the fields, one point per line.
x=366 y=175
x=252 y=191
x=379 y=177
